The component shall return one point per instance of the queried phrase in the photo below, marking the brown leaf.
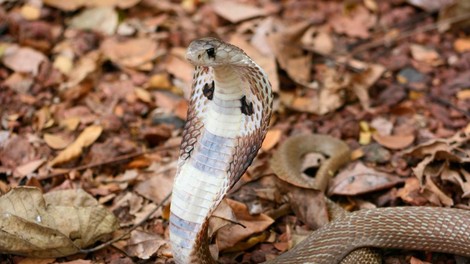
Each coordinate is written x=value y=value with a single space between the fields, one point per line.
x=394 y=141
x=28 y=168
x=131 y=53
x=361 y=179
x=86 y=65
x=236 y=12
x=144 y=244
x=159 y=185
x=413 y=194
x=424 y=54
x=355 y=24
x=228 y=236
x=85 y=139
x=72 y=5
x=289 y=54
x=272 y=138
x=52 y=225
x=462 y=45
x=24 y=60
x=55 y=141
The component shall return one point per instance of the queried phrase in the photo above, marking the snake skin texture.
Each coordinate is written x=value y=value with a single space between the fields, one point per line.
x=228 y=117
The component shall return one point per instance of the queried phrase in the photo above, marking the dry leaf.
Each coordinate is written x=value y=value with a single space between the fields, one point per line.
x=30 y=12
x=462 y=45
x=102 y=19
x=26 y=60
x=424 y=54
x=85 y=139
x=55 y=141
x=236 y=12
x=131 y=53
x=289 y=54
x=413 y=194
x=52 y=225
x=361 y=179
x=356 y=24
x=72 y=5
x=394 y=141
x=228 y=236
x=143 y=244
x=464 y=94
x=86 y=65
x=28 y=168
x=272 y=138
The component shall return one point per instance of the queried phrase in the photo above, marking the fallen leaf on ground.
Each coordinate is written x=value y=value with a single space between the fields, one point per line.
x=131 y=53
x=144 y=244
x=102 y=19
x=25 y=60
x=413 y=194
x=272 y=138
x=355 y=24
x=394 y=141
x=28 y=168
x=55 y=141
x=229 y=236
x=72 y=5
x=55 y=224
x=361 y=179
x=235 y=11
x=425 y=54
x=88 y=136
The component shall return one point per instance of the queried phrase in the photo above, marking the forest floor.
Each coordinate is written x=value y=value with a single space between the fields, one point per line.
x=93 y=97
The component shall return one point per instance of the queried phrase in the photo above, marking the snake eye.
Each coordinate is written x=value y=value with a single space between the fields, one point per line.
x=211 y=53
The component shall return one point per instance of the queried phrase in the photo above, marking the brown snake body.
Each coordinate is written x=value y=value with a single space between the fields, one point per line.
x=228 y=116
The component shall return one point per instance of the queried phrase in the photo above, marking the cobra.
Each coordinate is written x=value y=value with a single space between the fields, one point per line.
x=228 y=117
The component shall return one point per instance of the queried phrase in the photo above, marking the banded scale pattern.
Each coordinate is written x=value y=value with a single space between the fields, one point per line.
x=227 y=121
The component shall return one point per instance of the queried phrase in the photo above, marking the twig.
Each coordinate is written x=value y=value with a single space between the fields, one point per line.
x=113 y=160
x=426 y=28
x=86 y=251
x=446 y=103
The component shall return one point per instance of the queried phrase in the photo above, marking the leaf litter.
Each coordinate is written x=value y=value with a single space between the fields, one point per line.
x=84 y=104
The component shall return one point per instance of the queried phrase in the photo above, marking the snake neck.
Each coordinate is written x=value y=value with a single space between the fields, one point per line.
x=204 y=177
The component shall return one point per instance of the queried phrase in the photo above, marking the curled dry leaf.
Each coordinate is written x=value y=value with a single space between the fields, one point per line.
x=131 y=53
x=55 y=141
x=394 y=141
x=236 y=12
x=360 y=180
x=28 y=168
x=52 y=225
x=72 y=5
x=424 y=54
x=25 y=60
x=272 y=138
x=228 y=236
x=102 y=19
x=355 y=24
x=462 y=45
x=143 y=244
x=85 y=139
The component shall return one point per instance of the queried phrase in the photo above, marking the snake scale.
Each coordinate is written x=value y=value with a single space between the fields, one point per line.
x=228 y=116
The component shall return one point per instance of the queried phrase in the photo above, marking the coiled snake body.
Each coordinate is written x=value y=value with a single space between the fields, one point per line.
x=228 y=117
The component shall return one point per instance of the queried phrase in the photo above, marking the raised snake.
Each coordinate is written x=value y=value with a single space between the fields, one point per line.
x=228 y=116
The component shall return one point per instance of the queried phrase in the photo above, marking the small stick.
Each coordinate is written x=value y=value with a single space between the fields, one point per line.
x=113 y=160
x=86 y=251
